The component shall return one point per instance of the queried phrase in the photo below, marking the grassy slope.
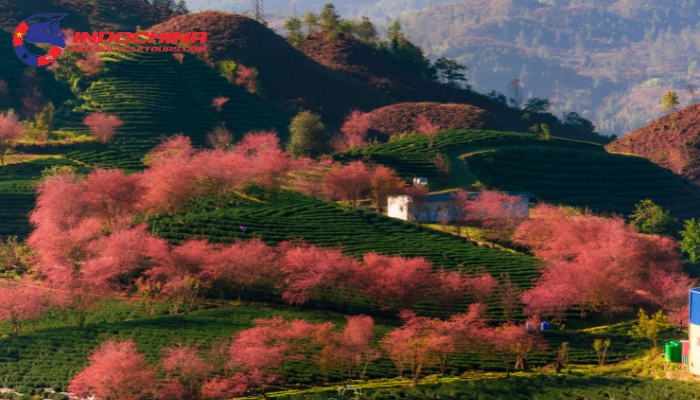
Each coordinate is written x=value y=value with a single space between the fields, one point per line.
x=156 y=96
x=559 y=170
x=52 y=354
x=356 y=231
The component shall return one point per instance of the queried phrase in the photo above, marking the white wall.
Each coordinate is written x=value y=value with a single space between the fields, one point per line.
x=397 y=207
x=694 y=354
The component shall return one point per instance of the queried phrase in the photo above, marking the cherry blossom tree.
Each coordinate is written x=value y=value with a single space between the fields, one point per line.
x=314 y=273
x=310 y=175
x=21 y=302
x=10 y=132
x=270 y=165
x=224 y=388
x=220 y=138
x=241 y=265
x=92 y=65
x=397 y=281
x=424 y=126
x=247 y=78
x=116 y=371
x=351 y=182
x=448 y=289
x=114 y=197
x=260 y=353
x=515 y=343
x=186 y=363
x=595 y=263
x=349 y=350
x=384 y=182
x=498 y=212
x=354 y=131
x=102 y=125
x=219 y=102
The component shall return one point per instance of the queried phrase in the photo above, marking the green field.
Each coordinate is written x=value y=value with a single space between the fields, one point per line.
x=52 y=354
x=558 y=170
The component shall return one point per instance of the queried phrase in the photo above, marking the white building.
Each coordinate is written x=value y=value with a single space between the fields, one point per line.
x=438 y=206
x=694 y=332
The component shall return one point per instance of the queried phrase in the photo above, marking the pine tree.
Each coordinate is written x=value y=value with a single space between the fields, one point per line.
x=294 y=34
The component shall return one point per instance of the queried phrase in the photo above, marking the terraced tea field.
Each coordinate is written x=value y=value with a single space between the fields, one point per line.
x=558 y=171
x=356 y=231
x=50 y=356
x=17 y=193
x=156 y=96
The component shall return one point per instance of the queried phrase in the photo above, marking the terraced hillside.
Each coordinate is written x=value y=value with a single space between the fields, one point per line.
x=52 y=354
x=328 y=224
x=558 y=170
x=17 y=193
x=157 y=96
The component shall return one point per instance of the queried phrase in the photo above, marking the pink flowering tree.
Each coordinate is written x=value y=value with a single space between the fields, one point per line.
x=103 y=126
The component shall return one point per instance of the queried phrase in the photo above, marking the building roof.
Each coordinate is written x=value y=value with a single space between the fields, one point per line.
x=471 y=195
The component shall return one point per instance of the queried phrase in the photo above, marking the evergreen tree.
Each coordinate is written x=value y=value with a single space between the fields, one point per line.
x=450 y=72
x=294 y=34
x=330 y=20
x=690 y=245
x=308 y=135
x=669 y=102
x=311 y=21
x=652 y=219
x=365 y=31
x=181 y=7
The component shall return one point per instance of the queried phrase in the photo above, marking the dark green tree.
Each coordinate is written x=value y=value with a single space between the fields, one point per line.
x=181 y=7
x=308 y=136
x=497 y=96
x=690 y=245
x=450 y=72
x=310 y=20
x=329 y=18
x=574 y=120
x=295 y=36
x=365 y=31
x=652 y=219
x=539 y=106
x=407 y=55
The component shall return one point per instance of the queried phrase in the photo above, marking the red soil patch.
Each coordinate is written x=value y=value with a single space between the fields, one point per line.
x=672 y=142
x=399 y=118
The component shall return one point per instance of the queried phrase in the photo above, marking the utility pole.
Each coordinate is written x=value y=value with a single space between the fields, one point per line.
x=258 y=9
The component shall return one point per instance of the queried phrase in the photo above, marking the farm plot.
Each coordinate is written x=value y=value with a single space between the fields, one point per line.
x=356 y=231
x=52 y=354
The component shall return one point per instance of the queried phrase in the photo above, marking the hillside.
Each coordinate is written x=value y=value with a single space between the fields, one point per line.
x=365 y=63
x=159 y=96
x=672 y=141
x=558 y=171
x=356 y=231
x=85 y=15
x=608 y=60
x=288 y=78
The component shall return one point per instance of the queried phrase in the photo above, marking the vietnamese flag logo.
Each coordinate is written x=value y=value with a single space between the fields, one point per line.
x=39 y=29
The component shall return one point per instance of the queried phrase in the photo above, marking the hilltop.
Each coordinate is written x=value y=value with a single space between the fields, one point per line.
x=558 y=171
x=672 y=141
x=363 y=62
x=85 y=15
x=288 y=77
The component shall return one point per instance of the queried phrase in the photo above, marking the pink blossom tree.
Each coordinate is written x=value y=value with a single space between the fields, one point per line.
x=219 y=102
x=350 y=351
x=397 y=282
x=351 y=182
x=21 y=302
x=116 y=371
x=424 y=126
x=103 y=126
x=186 y=363
x=354 y=131
x=92 y=65
x=10 y=132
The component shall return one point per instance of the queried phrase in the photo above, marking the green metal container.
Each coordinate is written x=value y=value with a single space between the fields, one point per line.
x=674 y=352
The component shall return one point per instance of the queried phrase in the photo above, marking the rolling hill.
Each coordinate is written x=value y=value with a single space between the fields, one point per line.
x=609 y=60
x=672 y=141
x=558 y=170
x=288 y=77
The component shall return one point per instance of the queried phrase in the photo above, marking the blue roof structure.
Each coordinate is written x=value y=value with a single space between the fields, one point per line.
x=694 y=305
